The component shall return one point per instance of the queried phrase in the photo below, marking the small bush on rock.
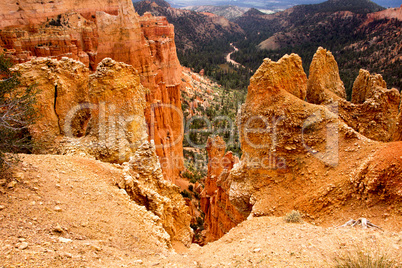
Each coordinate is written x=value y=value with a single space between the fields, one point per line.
x=364 y=259
x=293 y=217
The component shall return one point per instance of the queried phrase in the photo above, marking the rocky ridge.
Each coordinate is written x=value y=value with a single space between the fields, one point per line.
x=229 y=12
x=144 y=182
x=49 y=219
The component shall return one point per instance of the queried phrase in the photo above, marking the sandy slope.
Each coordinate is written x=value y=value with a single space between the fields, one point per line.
x=104 y=226
x=65 y=211
x=270 y=242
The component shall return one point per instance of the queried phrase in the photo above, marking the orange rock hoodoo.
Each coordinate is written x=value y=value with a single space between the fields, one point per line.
x=325 y=159
x=220 y=214
x=90 y=31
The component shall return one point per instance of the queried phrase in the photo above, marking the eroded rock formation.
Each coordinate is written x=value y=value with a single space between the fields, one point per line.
x=91 y=31
x=105 y=110
x=145 y=184
x=16 y=13
x=324 y=78
x=309 y=157
x=220 y=214
x=118 y=120
x=365 y=86
x=62 y=85
x=374 y=108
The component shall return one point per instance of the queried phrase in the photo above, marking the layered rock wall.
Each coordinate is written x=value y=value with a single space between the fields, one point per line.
x=31 y=12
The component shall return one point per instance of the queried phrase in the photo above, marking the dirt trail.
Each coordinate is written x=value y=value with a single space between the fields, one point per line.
x=229 y=60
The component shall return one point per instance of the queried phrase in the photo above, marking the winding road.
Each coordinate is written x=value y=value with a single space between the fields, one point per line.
x=229 y=60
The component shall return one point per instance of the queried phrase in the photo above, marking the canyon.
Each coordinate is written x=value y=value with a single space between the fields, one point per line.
x=102 y=116
x=303 y=160
x=105 y=183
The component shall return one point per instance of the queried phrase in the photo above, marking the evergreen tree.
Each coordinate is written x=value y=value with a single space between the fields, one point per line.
x=16 y=114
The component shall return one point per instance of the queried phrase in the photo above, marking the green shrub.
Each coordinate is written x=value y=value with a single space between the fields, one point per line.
x=16 y=114
x=186 y=194
x=193 y=172
x=294 y=217
x=200 y=222
x=363 y=259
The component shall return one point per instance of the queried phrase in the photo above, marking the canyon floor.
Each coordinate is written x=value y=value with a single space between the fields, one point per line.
x=66 y=211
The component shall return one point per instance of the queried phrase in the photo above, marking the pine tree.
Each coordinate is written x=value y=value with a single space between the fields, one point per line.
x=16 y=114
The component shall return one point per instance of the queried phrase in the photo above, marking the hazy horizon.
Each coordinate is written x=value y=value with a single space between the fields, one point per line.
x=266 y=4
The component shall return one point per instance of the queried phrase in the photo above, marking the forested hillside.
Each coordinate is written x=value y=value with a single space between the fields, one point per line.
x=356 y=37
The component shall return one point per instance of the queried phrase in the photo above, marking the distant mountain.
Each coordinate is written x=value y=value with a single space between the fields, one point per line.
x=264 y=4
x=193 y=30
x=254 y=21
x=360 y=34
x=202 y=38
x=355 y=6
x=229 y=12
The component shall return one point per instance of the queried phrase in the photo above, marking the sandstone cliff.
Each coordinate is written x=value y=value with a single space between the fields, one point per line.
x=29 y=12
x=104 y=110
x=90 y=32
x=298 y=155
